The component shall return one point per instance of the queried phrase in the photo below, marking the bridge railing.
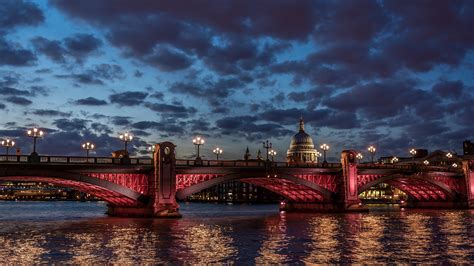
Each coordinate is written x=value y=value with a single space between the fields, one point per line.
x=410 y=167
x=75 y=160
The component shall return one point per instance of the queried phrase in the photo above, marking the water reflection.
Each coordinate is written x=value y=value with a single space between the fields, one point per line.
x=220 y=234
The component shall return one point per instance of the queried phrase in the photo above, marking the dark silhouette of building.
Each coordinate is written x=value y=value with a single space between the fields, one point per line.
x=468 y=147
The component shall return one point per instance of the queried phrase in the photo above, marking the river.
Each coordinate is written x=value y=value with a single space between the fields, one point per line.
x=80 y=232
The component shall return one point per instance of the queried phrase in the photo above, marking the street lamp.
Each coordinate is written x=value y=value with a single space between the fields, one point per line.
x=413 y=153
x=34 y=133
x=272 y=153
x=8 y=143
x=217 y=151
x=88 y=146
x=318 y=154
x=394 y=160
x=426 y=162
x=449 y=155
x=324 y=147
x=198 y=141
x=359 y=156
x=126 y=138
x=267 y=145
x=372 y=151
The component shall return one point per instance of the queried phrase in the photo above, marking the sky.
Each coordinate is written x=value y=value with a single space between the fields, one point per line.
x=394 y=74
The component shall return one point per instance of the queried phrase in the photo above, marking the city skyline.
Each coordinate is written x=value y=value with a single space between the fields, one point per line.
x=360 y=73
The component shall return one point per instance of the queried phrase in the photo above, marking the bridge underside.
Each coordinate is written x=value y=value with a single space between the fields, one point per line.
x=101 y=192
x=423 y=191
x=291 y=191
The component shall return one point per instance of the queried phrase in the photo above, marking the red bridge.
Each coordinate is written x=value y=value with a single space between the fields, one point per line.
x=149 y=188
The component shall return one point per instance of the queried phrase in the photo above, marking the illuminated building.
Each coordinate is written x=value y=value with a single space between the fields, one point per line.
x=301 y=147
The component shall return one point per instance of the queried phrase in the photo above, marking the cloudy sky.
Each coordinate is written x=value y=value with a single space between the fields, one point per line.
x=395 y=74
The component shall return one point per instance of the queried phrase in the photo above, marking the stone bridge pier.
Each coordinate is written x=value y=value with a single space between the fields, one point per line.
x=161 y=188
x=468 y=168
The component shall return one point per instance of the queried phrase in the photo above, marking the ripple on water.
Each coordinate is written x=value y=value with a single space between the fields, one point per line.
x=80 y=232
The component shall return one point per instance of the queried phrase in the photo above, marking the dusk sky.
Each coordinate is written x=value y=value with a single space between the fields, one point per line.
x=395 y=74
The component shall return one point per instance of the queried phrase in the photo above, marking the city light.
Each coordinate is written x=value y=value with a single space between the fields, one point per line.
x=426 y=162
x=394 y=160
x=272 y=153
x=126 y=138
x=372 y=151
x=8 y=143
x=198 y=141
x=34 y=133
x=449 y=155
x=325 y=148
x=88 y=146
x=359 y=156
x=455 y=165
x=217 y=151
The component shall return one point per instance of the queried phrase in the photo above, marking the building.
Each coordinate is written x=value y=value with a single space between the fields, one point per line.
x=301 y=147
x=468 y=148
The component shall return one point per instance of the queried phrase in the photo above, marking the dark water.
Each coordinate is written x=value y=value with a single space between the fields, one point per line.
x=79 y=232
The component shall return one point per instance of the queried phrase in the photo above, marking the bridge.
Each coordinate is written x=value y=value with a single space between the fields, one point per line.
x=143 y=187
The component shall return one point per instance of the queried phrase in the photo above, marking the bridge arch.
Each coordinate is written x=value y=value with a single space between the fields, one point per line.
x=108 y=191
x=418 y=188
x=288 y=186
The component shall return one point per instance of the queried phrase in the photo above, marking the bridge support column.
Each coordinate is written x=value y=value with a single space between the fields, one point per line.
x=161 y=188
x=348 y=197
x=468 y=167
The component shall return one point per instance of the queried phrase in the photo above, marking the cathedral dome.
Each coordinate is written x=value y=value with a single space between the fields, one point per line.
x=301 y=147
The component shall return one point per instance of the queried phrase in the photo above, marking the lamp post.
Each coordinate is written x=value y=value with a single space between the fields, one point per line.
x=359 y=156
x=272 y=153
x=34 y=133
x=151 y=149
x=394 y=160
x=426 y=162
x=88 y=146
x=267 y=145
x=217 y=151
x=126 y=138
x=8 y=143
x=198 y=141
x=413 y=154
x=372 y=150
x=318 y=154
x=324 y=147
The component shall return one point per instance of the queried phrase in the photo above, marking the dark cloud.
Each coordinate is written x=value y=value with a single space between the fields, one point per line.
x=449 y=89
x=82 y=45
x=2 y=106
x=85 y=78
x=50 y=113
x=52 y=49
x=249 y=128
x=73 y=125
x=168 y=60
x=175 y=110
x=15 y=55
x=18 y=100
x=128 y=98
x=158 y=95
x=121 y=120
x=96 y=75
x=15 y=13
x=12 y=91
x=143 y=125
x=387 y=98
x=90 y=101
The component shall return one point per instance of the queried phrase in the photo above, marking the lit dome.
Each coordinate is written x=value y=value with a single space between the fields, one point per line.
x=301 y=147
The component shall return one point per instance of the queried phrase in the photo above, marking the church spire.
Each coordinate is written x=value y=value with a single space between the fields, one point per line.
x=301 y=124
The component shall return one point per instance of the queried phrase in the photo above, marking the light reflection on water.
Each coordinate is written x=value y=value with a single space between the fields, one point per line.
x=78 y=232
